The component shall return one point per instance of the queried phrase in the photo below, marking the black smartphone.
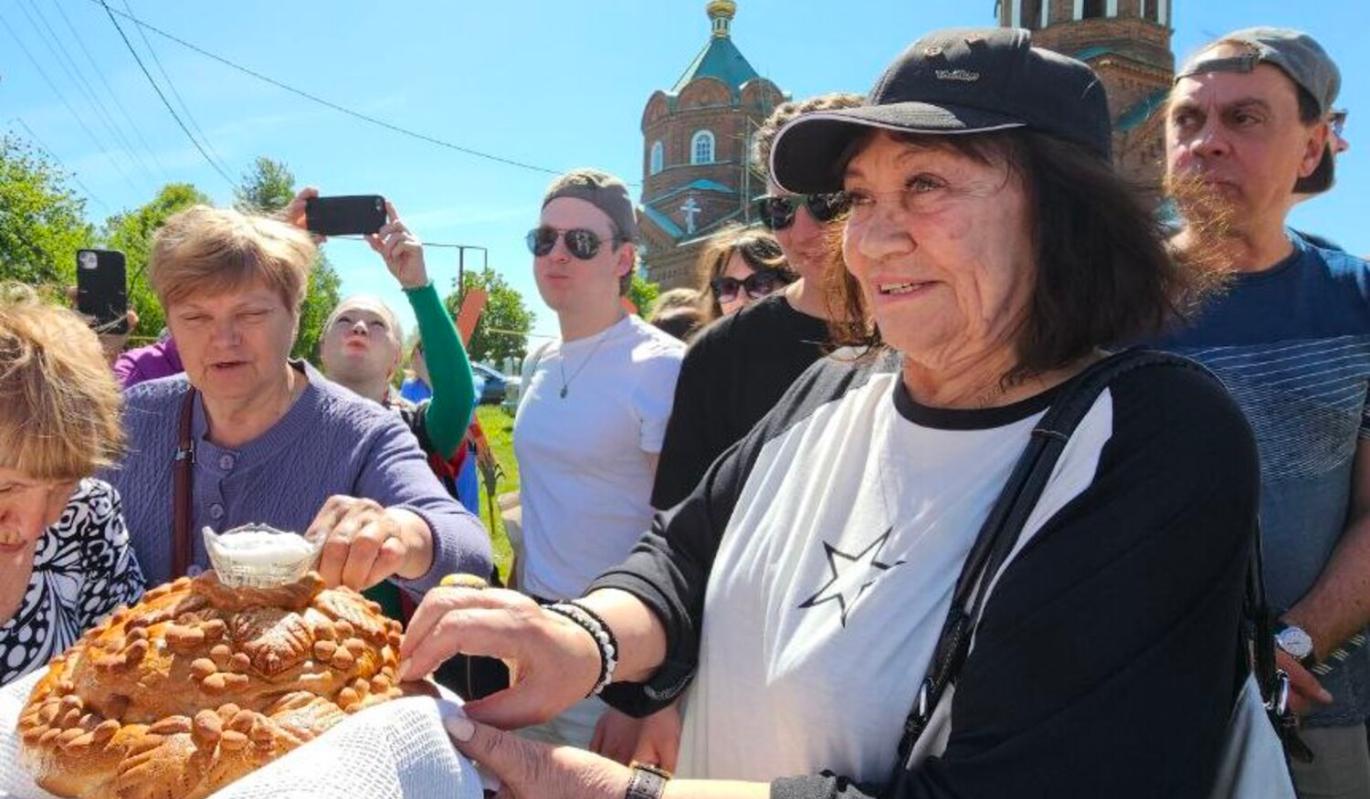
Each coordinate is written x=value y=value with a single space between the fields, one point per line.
x=343 y=216
x=101 y=291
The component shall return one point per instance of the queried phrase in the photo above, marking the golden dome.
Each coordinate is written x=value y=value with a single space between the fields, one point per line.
x=722 y=8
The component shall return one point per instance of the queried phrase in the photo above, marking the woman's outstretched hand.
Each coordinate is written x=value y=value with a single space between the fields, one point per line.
x=553 y=663
x=533 y=770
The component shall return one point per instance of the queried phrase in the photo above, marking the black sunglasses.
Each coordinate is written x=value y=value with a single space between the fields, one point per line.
x=777 y=212
x=758 y=284
x=1338 y=120
x=580 y=242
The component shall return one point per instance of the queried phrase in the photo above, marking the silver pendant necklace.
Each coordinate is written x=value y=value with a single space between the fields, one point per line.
x=566 y=383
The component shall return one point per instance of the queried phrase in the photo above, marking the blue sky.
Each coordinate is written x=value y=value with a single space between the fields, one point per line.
x=548 y=82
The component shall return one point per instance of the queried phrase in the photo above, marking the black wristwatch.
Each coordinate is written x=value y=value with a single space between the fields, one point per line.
x=648 y=781
x=1296 y=642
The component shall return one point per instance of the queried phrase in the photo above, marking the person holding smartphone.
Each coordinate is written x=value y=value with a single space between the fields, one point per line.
x=361 y=349
x=362 y=345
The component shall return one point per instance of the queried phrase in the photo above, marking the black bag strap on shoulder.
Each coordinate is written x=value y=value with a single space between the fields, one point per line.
x=1005 y=523
x=183 y=471
x=1273 y=682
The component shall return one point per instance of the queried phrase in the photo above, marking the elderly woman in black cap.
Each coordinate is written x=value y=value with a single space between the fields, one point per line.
x=798 y=597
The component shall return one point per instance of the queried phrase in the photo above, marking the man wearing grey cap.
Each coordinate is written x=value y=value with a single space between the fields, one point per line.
x=595 y=405
x=1246 y=132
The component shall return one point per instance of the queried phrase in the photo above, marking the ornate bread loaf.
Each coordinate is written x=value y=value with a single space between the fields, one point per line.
x=200 y=683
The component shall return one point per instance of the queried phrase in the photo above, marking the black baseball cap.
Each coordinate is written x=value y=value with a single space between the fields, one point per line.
x=952 y=81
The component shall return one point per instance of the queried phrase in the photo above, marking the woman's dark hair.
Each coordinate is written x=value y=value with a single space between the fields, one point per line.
x=756 y=246
x=1103 y=276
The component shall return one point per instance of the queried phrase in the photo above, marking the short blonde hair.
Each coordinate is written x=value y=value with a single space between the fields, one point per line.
x=208 y=251
x=59 y=402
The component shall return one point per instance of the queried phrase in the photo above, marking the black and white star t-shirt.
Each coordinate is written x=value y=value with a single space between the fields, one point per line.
x=83 y=569
x=804 y=584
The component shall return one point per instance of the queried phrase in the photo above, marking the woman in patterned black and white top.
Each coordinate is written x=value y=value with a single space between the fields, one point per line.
x=65 y=559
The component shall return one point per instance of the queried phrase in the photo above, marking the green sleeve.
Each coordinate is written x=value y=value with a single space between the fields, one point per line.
x=449 y=413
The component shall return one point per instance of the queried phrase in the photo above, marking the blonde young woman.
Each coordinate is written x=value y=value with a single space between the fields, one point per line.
x=65 y=559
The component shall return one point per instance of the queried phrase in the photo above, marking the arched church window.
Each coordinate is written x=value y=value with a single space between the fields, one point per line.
x=702 y=147
x=1092 y=9
x=658 y=158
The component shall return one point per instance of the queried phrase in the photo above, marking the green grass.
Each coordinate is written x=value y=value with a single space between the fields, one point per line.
x=499 y=431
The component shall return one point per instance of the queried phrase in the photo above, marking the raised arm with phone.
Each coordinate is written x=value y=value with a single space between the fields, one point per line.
x=446 y=417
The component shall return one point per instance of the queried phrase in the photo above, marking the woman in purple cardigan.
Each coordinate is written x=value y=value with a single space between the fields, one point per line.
x=273 y=440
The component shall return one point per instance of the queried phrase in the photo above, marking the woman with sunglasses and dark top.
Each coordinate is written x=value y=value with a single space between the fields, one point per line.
x=737 y=368
x=737 y=267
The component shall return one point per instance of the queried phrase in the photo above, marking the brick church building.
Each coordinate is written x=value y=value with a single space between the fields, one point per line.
x=696 y=160
x=1128 y=43
x=696 y=168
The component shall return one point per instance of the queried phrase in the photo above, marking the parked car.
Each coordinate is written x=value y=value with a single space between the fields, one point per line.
x=491 y=382
x=513 y=388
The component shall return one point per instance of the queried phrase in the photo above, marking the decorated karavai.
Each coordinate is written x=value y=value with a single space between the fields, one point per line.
x=206 y=679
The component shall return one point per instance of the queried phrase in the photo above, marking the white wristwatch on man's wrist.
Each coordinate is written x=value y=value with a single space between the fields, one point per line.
x=1296 y=642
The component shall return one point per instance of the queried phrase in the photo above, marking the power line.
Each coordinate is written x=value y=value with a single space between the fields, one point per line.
x=74 y=178
x=329 y=104
x=78 y=79
x=158 y=89
x=78 y=76
x=170 y=84
x=80 y=121
x=114 y=96
x=440 y=244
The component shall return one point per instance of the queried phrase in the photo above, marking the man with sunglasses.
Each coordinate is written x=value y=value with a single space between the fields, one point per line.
x=1336 y=145
x=594 y=407
x=734 y=373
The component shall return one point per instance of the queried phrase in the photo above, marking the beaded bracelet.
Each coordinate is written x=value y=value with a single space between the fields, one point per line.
x=591 y=622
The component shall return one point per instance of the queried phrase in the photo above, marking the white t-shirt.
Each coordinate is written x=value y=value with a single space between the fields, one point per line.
x=584 y=458
x=834 y=576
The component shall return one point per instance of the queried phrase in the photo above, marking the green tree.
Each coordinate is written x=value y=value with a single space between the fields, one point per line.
x=319 y=301
x=266 y=188
x=131 y=233
x=502 y=331
x=42 y=220
x=643 y=293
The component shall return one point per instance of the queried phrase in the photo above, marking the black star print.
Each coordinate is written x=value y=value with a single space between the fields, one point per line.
x=851 y=575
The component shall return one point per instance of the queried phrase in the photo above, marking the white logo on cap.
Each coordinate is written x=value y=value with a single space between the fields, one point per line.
x=957 y=74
